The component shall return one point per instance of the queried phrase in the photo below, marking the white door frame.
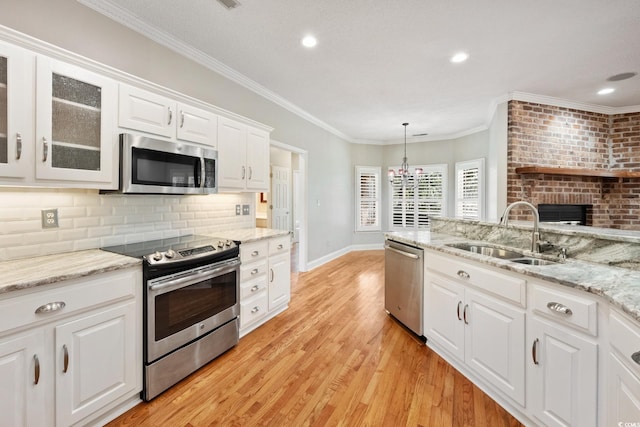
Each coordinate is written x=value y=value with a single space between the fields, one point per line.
x=302 y=244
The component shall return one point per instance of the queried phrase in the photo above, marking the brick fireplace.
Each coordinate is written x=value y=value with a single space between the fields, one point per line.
x=549 y=136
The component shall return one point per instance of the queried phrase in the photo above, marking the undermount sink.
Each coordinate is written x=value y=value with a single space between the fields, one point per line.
x=496 y=252
x=532 y=261
x=491 y=251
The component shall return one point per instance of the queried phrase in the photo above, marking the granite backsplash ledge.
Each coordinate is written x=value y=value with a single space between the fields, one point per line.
x=597 y=245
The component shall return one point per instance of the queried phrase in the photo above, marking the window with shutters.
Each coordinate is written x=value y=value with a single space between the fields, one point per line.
x=411 y=208
x=470 y=189
x=368 y=198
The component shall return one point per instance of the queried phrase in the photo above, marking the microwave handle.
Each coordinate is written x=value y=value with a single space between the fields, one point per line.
x=202 y=172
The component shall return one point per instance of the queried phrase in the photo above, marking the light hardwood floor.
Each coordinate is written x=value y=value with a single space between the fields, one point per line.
x=334 y=358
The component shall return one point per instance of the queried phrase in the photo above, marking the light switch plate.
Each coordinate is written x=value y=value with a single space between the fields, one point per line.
x=245 y=210
x=238 y=212
x=49 y=218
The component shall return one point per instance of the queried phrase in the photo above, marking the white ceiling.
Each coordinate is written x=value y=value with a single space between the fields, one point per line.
x=379 y=63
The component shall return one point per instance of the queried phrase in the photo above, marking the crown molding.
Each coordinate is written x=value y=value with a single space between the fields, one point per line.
x=582 y=106
x=123 y=17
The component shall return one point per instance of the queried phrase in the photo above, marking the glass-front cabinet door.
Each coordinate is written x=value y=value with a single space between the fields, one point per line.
x=16 y=110
x=76 y=136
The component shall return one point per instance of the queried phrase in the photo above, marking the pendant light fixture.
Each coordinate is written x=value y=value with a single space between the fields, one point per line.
x=403 y=172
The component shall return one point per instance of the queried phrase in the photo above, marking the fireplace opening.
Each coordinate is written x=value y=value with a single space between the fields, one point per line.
x=565 y=214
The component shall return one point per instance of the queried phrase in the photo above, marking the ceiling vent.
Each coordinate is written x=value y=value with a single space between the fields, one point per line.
x=230 y=4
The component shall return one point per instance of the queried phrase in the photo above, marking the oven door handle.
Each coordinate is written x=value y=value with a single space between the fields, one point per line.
x=192 y=278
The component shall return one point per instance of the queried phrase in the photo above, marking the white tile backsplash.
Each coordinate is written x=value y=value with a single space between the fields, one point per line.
x=91 y=220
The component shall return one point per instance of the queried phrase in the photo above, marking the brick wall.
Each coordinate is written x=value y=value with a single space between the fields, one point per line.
x=544 y=135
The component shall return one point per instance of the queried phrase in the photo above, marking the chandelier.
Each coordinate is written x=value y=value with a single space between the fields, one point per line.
x=403 y=172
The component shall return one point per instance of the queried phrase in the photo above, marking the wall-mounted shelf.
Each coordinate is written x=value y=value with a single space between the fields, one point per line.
x=597 y=173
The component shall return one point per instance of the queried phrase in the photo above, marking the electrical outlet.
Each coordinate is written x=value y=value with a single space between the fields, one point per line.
x=49 y=218
x=245 y=210
x=238 y=212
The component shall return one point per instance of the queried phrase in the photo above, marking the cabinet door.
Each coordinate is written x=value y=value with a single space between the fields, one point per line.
x=75 y=124
x=232 y=154
x=443 y=313
x=25 y=373
x=624 y=394
x=563 y=388
x=257 y=160
x=95 y=362
x=16 y=110
x=279 y=280
x=146 y=111
x=494 y=343
x=197 y=125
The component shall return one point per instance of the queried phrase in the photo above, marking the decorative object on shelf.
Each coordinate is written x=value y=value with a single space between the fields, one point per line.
x=403 y=172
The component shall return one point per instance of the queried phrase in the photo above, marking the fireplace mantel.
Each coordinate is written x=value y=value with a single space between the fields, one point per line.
x=597 y=173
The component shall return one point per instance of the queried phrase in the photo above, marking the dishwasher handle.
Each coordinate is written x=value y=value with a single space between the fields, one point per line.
x=403 y=253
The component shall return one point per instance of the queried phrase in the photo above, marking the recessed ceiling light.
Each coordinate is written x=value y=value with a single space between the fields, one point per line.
x=606 y=91
x=309 y=41
x=459 y=57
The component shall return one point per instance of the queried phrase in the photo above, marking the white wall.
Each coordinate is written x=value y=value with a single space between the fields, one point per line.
x=68 y=24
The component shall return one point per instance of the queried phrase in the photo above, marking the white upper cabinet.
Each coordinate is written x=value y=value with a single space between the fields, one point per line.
x=16 y=111
x=152 y=113
x=243 y=155
x=76 y=139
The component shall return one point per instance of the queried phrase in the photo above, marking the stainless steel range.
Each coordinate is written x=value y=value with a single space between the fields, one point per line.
x=191 y=305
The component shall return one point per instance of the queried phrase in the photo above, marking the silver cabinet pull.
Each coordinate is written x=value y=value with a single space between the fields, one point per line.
x=255 y=253
x=65 y=367
x=255 y=288
x=181 y=119
x=458 y=310
x=534 y=351
x=255 y=310
x=636 y=357
x=559 y=308
x=272 y=275
x=170 y=115
x=18 y=146
x=280 y=246
x=243 y=172
x=464 y=314
x=254 y=271
x=250 y=172
x=45 y=149
x=463 y=274
x=50 y=307
x=36 y=369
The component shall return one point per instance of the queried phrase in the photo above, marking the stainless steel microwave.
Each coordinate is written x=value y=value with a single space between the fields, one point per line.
x=152 y=166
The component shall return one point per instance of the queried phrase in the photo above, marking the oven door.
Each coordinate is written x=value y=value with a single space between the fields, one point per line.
x=186 y=305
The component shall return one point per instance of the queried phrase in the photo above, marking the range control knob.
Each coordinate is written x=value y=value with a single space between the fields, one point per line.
x=157 y=256
x=220 y=244
x=228 y=243
x=170 y=253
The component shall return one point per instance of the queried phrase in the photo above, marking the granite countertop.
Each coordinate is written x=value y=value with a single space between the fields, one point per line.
x=43 y=270
x=620 y=286
x=246 y=235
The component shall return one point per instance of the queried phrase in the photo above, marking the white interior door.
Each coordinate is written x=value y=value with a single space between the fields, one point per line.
x=280 y=198
x=296 y=203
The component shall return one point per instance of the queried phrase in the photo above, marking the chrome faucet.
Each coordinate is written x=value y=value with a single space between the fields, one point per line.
x=535 y=237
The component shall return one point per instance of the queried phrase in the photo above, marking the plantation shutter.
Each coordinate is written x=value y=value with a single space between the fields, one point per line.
x=412 y=208
x=469 y=189
x=367 y=198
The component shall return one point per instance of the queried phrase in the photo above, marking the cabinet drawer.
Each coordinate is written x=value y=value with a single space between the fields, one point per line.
x=565 y=308
x=254 y=251
x=253 y=309
x=253 y=270
x=501 y=285
x=252 y=287
x=279 y=245
x=625 y=338
x=76 y=294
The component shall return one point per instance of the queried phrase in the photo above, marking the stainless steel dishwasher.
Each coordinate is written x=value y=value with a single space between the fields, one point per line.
x=403 y=283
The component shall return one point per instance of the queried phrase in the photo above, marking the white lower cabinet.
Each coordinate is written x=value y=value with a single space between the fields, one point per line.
x=563 y=376
x=70 y=354
x=484 y=333
x=623 y=365
x=265 y=281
